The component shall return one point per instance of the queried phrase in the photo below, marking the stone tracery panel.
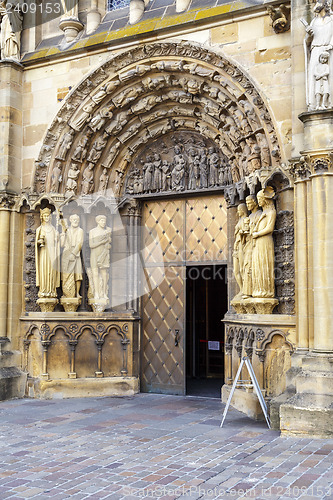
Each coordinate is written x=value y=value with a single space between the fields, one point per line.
x=147 y=93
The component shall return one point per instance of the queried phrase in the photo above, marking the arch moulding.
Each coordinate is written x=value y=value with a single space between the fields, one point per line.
x=150 y=96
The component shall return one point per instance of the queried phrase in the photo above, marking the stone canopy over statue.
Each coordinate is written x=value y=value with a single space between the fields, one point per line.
x=253 y=255
x=318 y=57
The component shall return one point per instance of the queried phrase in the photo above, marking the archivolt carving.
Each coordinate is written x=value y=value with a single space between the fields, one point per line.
x=144 y=94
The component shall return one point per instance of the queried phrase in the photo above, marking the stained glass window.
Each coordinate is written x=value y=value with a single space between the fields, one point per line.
x=117 y=4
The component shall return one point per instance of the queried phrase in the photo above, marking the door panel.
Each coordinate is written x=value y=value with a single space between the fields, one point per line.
x=206 y=229
x=163 y=314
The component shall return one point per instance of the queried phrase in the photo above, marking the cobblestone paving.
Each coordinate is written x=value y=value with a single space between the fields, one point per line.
x=153 y=446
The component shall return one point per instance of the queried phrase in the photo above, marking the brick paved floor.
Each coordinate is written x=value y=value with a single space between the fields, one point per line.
x=153 y=446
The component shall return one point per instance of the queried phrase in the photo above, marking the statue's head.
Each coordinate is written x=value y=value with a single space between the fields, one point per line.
x=74 y=220
x=265 y=196
x=101 y=220
x=251 y=202
x=242 y=210
x=45 y=214
x=321 y=5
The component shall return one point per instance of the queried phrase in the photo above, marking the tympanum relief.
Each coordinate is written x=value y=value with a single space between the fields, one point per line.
x=179 y=162
x=253 y=254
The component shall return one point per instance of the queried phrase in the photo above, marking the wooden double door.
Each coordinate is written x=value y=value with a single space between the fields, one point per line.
x=176 y=234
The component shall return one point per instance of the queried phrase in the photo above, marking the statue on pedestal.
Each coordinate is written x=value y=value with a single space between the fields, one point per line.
x=249 y=223
x=238 y=253
x=100 y=244
x=319 y=41
x=47 y=262
x=11 y=19
x=263 y=247
x=71 y=240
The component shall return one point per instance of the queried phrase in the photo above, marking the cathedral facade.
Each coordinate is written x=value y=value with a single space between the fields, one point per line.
x=164 y=201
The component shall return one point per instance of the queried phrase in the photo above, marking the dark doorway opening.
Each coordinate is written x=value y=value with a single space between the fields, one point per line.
x=206 y=305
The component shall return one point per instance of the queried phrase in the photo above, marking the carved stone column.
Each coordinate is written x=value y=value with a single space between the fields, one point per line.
x=4 y=263
x=133 y=211
x=310 y=411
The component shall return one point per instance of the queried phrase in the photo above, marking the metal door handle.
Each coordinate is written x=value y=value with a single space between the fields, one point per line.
x=176 y=338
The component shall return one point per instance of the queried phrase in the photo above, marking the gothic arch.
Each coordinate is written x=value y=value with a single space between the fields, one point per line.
x=143 y=94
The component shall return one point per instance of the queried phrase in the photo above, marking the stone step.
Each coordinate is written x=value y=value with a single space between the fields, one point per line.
x=3 y=342
x=307 y=415
x=10 y=358
x=320 y=382
x=12 y=383
x=318 y=362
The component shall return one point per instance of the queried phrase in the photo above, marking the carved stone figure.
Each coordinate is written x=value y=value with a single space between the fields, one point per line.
x=56 y=178
x=322 y=87
x=214 y=162
x=97 y=149
x=203 y=171
x=100 y=244
x=98 y=120
x=65 y=145
x=157 y=172
x=178 y=175
x=250 y=223
x=148 y=175
x=10 y=30
x=319 y=39
x=47 y=257
x=263 y=248
x=106 y=89
x=280 y=17
x=166 y=176
x=265 y=153
x=72 y=176
x=88 y=185
x=71 y=240
x=80 y=151
x=239 y=243
x=103 y=181
x=83 y=116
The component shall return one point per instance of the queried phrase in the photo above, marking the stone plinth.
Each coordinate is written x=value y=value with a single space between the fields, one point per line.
x=317 y=129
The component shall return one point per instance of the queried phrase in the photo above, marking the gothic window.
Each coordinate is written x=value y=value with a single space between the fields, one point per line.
x=117 y=4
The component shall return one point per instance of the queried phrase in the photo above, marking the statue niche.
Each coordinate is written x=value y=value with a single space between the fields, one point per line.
x=253 y=255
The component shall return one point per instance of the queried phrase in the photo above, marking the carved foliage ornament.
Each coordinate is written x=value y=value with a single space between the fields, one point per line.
x=143 y=94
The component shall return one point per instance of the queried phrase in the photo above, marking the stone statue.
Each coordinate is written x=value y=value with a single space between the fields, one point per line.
x=71 y=184
x=56 y=178
x=100 y=244
x=239 y=243
x=263 y=247
x=87 y=186
x=214 y=162
x=71 y=240
x=250 y=223
x=80 y=151
x=83 y=116
x=157 y=172
x=322 y=88
x=11 y=19
x=47 y=257
x=65 y=145
x=166 y=176
x=319 y=39
x=103 y=181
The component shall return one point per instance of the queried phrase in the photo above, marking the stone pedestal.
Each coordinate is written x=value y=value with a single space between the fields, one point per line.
x=98 y=305
x=70 y=304
x=71 y=27
x=47 y=304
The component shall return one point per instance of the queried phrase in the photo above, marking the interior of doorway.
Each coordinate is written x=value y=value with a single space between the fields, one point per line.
x=206 y=305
